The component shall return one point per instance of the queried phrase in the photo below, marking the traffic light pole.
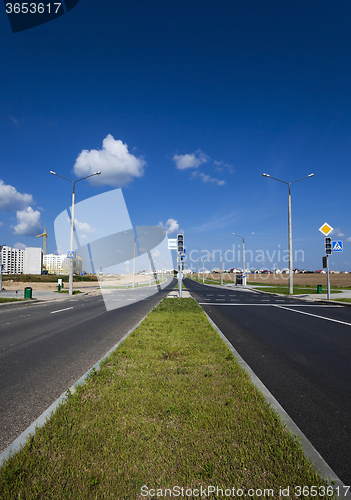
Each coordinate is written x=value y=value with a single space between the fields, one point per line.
x=328 y=251
x=180 y=275
x=181 y=252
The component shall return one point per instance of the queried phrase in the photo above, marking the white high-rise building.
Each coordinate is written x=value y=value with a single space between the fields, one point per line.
x=21 y=261
x=12 y=260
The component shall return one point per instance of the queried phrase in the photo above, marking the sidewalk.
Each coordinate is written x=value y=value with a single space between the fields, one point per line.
x=175 y=294
x=41 y=294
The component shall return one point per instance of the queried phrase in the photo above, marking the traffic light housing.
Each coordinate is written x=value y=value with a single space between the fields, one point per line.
x=325 y=262
x=328 y=246
x=180 y=242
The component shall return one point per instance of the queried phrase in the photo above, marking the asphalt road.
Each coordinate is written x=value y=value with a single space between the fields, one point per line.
x=301 y=351
x=46 y=347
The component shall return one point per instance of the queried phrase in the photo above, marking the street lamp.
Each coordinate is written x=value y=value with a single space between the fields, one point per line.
x=243 y=238
x=291 y=286
x=135 y=237
x=71 y=247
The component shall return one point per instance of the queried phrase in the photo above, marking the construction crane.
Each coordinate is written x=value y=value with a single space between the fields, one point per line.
x=44 y=235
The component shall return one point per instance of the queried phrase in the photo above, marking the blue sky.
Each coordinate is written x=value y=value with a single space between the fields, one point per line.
x=184 y=104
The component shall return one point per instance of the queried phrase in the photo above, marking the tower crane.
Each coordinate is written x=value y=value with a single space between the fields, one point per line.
x=44 y=235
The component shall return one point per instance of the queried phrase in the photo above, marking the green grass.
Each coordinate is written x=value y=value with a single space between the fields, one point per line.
x=66 y=291
x=171 y=406
x=4 y=299
x=342 y=300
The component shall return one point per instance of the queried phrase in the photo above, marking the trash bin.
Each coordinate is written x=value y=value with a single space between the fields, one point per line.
x=28 y=292
x=239 y=279
x=59 y=287
x=319 y=288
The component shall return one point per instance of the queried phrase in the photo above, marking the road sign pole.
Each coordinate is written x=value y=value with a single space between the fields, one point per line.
x=221 y=269
x=328 y=289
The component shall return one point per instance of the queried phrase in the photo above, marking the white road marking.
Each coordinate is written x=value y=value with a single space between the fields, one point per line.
x=314 y=315
x=230 y=304
x=266 y=304
x=60 y=310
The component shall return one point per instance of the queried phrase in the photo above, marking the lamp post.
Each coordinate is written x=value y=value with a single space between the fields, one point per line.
x=135 y=237
x=291 y=285
x=71 y=246
x=243 y=238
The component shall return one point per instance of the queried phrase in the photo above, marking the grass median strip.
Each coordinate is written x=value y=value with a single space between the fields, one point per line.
x=4 y=299
x=170 y=407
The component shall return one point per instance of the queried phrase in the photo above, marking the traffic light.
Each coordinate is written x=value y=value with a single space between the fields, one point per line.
x=325 y=262
x=180 y=240
x=328 y=246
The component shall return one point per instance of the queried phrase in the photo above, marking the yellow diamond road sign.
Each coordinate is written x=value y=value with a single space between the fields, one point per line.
x=325 y=229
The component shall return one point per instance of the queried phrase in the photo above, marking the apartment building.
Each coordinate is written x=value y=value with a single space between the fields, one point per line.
x=21 y=261
x=59 y=264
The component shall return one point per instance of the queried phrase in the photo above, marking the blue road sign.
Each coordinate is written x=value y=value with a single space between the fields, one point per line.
x=71 y=254
x=337 y=246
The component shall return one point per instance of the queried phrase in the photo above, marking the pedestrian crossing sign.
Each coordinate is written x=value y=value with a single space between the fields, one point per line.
x=337 y=246
x=71 y=254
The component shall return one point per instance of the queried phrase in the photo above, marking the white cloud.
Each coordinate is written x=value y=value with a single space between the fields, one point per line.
x=171 y=226
x=340 y=235
x=118 y=167
x=20 y=246
x=192 y=160
x=84 y=227
x=1 y=223
x=207 y=178
x=11 y=200
x=29 y=223
x=349 y=240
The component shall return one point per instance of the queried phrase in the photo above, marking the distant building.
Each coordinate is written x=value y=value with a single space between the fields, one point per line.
x=21 y=261
x=59 y=264
x=33 y=260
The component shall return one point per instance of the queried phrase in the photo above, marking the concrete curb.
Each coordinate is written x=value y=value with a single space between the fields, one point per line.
x=310 y=451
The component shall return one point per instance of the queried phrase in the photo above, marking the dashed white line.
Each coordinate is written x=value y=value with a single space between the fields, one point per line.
x=60 y=310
